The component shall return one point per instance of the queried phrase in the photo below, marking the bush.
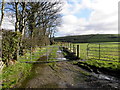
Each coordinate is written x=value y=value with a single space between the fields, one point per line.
x=10 y=42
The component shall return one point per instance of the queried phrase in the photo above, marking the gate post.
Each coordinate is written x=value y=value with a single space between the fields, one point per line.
x=77 y=50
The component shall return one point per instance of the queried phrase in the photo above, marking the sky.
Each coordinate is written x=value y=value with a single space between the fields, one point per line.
x=82 y=17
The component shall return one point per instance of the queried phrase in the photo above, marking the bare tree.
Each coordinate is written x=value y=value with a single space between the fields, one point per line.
x=45 y=17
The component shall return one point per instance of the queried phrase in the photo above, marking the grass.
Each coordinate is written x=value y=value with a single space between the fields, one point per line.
x=14 y=74
x=108 y=51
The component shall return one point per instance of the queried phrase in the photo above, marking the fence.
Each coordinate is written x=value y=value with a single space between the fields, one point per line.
x=72 y=47
x=103 y=51
x=95 y=51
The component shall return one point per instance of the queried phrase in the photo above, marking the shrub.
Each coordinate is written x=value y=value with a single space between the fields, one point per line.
x=10 y=42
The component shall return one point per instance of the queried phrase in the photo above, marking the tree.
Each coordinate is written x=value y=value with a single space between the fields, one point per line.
x=43 y=15
x=36 y=22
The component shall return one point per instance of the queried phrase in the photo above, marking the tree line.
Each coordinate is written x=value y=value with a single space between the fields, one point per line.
x=35 y=23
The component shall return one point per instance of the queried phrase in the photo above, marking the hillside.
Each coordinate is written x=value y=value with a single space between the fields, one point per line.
x=90 y=38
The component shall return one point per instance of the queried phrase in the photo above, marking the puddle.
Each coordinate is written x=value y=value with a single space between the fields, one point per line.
x=106 y=77
x=59 y=51
x=61 y=58
x=111 y=81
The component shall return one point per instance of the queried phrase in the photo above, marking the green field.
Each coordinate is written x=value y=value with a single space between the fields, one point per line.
x=89 y=38
x=102 y=55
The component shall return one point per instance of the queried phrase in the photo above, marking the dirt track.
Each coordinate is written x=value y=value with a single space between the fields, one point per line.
x=63 y=75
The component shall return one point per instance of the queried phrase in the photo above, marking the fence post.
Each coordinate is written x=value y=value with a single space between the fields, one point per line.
x=61 y=44
x=31 y=53
x=74 y=50
x=87 y=51
x=47 y=53
x=77 y=50
x=67 y=45
x=70 y=46
x=99 y=50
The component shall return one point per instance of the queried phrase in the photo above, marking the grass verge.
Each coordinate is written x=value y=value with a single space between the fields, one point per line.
x=14 y=74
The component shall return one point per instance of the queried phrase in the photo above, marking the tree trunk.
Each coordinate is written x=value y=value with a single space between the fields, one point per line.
x=23 y=28
x=17 y=19
x=2 y=13
x=23 y=17
x=16 y=29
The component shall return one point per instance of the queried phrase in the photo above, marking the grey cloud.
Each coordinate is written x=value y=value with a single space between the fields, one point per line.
x=101 y=26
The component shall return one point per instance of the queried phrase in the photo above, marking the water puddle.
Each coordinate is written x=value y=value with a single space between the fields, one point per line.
x=106 y=77
x=61 y=58
x=59 y=51
x=111 y=81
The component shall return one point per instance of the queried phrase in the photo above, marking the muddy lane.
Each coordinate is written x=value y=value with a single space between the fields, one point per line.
x=63 y=75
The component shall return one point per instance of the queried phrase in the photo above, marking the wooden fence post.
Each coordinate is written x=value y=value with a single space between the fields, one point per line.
x=70 y=46
x=61 y=44
x=31 y=53
x=87 y=51
x=99 y=50
x=66 y=45
x=77 y=50
x=74 y=49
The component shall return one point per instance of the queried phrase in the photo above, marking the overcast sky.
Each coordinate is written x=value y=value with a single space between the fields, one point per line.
x=81 y=17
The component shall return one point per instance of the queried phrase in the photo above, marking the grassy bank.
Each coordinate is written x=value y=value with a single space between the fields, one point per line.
x=12 y=75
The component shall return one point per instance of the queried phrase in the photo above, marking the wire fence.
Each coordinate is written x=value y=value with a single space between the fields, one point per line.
x=104 y=51
x=85 y=51
x=95 y=51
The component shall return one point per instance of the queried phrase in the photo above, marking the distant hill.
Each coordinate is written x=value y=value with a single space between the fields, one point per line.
x=90 y=38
